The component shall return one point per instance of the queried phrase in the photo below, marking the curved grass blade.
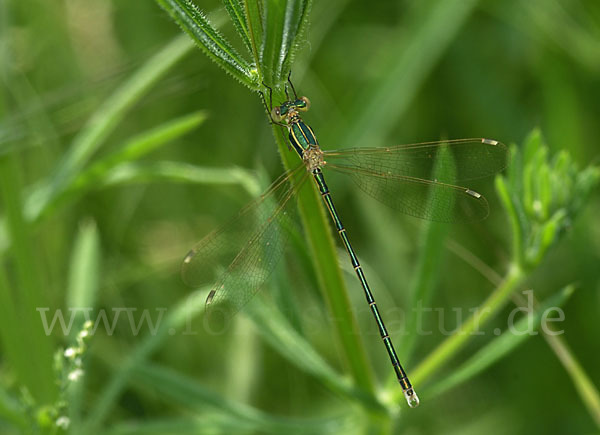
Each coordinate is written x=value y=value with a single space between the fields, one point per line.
x=295 y=29
x=100 y=124
x=249 y=247
x=285 y=21
x=254 y=20
x=208 y=38
x=235 y=10
x=503 y=345
x=402 y=177
x=185 y=391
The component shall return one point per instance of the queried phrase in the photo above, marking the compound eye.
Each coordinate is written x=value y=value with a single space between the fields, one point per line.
x=276 y=114
x=306 y=104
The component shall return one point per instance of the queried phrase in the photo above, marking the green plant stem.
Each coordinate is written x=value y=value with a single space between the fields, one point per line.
x=325 y=261
x=584 y=385
x=318 y=233
x=454 y=343
x=587 y=390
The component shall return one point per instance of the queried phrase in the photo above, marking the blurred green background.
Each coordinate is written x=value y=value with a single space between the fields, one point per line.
x=116 y=235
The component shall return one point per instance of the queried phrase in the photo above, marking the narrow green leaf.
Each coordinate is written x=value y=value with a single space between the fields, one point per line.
x=300 y=30
x=178 y=317
x=82 y=289
x=274 y=17
x=12 y=411
x=186 y=392
x=285 y=22
x=583 y=383
x=204 y=423
x=12 y=341
x=84 y=271
x=207 y=37
x=177 y=172
x=502 y=190
x=277 y=331
x=254 y=16
x=235 y=10
x=500 y=346
x=379 y=106
x=139 y=146
x=102 y=123
x=4 y=241
x=452 y=344
x=35 y=373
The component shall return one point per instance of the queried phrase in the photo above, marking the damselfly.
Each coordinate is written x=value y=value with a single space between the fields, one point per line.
x=416 y=179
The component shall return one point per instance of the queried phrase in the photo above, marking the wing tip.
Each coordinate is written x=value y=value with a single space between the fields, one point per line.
x=188 y=257
x=489 y=141
x=474 y=194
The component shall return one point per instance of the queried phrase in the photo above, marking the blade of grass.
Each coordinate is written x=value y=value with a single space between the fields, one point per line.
x=107 y=398
x=583 y=384
x=102 y=123
x=193 y=22
x=285 y=21
x=9 y=316
x=254 y=14
x=203 y=423
x=273 y=19
x=500 y=346
x=283 y=338
x=137 y=147
x=295 y=28
x=186 y=392
x=455 y=342
x=209 y=423
x=82 y=289
x=235 y=9
x=177 y=172
x=177 y=317
x=35 y=373
x=381 y=105
x=12 y=411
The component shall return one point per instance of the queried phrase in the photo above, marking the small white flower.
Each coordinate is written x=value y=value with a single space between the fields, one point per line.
x=70 y=352
x=75 y=375
x=88 y=324
x=63 y=422
x=84 y=333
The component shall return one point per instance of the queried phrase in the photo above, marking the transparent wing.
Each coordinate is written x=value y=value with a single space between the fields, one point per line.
x=418 y=179
x=472 y=158
x=238 y=257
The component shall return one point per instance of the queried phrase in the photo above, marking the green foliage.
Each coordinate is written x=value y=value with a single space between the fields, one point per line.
x=105 y=183
x=501 y=346
x=542 y=195
x=271 y=31
x=539 y=209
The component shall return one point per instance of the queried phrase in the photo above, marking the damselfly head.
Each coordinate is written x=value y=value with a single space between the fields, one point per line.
x=290 y=108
